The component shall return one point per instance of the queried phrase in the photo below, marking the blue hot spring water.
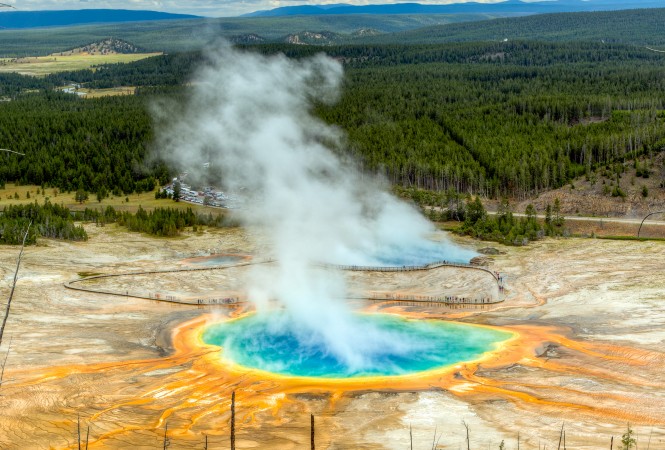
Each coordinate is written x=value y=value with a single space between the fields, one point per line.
x=217 y=260
x=273 y=343
x=421 y=253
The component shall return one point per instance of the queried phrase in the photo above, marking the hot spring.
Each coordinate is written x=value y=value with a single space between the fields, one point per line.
x=420 y=252
x=274 y=342
x=215 y=260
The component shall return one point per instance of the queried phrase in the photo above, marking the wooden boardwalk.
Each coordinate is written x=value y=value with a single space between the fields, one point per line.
x=231 y=300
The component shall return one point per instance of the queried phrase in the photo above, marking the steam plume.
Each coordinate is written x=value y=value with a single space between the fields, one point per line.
x=250 y=117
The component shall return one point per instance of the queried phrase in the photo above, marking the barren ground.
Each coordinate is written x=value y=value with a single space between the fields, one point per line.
x=590 y=315
x=591 y=196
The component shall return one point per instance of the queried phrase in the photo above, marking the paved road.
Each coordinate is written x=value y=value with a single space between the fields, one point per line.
x=635 y=221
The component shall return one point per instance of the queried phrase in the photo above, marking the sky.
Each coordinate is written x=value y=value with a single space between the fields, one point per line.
x=211 y=8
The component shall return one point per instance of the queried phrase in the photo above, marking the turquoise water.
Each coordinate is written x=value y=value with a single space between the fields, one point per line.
x=421 y=253
x=218 y=260
x=276 y=343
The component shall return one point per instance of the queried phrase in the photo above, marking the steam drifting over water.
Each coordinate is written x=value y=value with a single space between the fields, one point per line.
x=250 y=117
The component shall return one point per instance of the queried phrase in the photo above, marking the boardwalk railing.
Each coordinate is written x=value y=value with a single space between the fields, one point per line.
x=75 y=285
x=429 y=266
x=447 y=300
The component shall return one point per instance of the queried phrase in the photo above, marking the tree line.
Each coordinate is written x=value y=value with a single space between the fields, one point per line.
x=504 y=227
x=469 y=212
x=158 y=222
x=54 y=221
x=48 y=220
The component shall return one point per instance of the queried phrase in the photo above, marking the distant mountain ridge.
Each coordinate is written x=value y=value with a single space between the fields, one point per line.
x=509 y=6
x=39 y=19
x=642 y=27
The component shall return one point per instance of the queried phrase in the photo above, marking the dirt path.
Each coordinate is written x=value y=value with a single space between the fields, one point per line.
x=621 y=220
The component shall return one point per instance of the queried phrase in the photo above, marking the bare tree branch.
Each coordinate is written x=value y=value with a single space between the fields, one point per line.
x=11 y=293
x=166 y=439
x=4 y=363
x=560 y=436
x=233 y=420
x=468 y=442
x=7 y=150
x=435 y=444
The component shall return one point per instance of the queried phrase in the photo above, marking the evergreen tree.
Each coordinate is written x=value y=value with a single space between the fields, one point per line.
x=81 y=195
x=475 y=211
x=176 y=191
x=557 y=219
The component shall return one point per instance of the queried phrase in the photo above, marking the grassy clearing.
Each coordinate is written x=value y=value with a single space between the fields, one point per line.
x=597 y=228
x=96 y=93
x=631 y=238
x=44 y=65
x=129 y=203
x=88 y=274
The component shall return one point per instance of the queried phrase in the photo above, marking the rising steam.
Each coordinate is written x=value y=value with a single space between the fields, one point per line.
x=250 y=117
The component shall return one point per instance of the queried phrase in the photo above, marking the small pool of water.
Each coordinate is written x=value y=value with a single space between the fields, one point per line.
x=277 y=343
x=422 y=254
x=215 y=260
x=414 y=252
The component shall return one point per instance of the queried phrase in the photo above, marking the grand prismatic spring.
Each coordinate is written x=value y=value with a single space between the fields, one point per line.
x=267 y=343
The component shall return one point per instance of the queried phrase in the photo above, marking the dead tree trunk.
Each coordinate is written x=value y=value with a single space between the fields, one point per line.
x=560 y=437
x=648 y=443
x=312 y=431
x=233 y=420
x=468 y=443
x=435 y=442
x=11 y=293
x=166 y=439
x=4 y=363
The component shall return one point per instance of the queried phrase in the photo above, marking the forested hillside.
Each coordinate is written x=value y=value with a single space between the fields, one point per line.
x=512 y=118
x=496 y=119
x=185 y=35
x=638 y=26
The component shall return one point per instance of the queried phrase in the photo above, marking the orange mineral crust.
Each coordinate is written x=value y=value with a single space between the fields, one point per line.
x=586 y=319
x=195 y=400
